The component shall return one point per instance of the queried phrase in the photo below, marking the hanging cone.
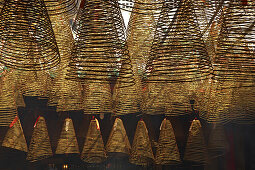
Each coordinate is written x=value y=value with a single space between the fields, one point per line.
x=118 y=140
x=40 y=147
x=93 y=150
x=178 y=52
x=217 y=140
x=8 y=107
x=196 y=150
x=100 y=52
x=167 y=151
x=14 y=137
x=67 y=142
x=27 y=35
x=126 y=100
x=235 y=58
x=141 y=152
x=97 y=99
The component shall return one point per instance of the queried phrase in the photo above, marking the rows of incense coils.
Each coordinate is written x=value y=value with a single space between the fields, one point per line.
x=95 y=151
x=167 y=62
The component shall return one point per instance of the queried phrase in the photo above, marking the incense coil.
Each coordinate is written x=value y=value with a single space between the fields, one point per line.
x=178 y=53
x=65 y=41
x=97 y=99
x=141 y=152
x=40 y=147
x=118 y=140
x=93 y=150
x=67 y=143
x=8 y=107
x=235 y=56
x=167 y=150
x=27 y=35
x=14 y=137
x=100 y=53
x=70 y=94
x=196 y=150
x=34 y=83
x=126 y=100
x=68 y=7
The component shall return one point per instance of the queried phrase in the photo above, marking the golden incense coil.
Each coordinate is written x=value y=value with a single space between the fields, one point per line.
x=167 y=150
x=40 y=147
x=14 y=137
x=196 y=150
x=141 y=152
x=100 y=52
x=27 y=35
x=118 y=140
x=97 y=98
x=93 y=149
x=67 y=142
x=8 y=107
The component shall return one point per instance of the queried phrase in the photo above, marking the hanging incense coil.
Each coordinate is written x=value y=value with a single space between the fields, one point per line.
x=8 y=107
x=40 y=147
x=93 y=150
x=167 y=150
x=65 y=41
x=100 y=53
x=97 y=99
x=127 y=99
x=118 y=140
x=70 y=94
x=67 y=143
x=196 y=150
x=34 y=83
x=217 y=143
x=235 y=56
x=141 y=152
x=14 y=137
x=68 y=7
x=178 y=52
x=27 y=35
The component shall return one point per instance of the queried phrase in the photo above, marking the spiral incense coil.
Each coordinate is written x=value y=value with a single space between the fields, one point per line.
x=100 y=53
x=141 y=152
x=34 y=83
x=65 y=41
x=97 y=99
x=235 y=57
x=40 y=147
x=93 y=150
x=196 y=150
x=14 y=137
x=8 y=107
x=67 y=142
x=127 y=99
x=178 y=52
x=27 y=35
x=217 y=143
x=68 y=7
x=167 y=151
x=69 y=95
x=169 y=99
x=118 y=140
